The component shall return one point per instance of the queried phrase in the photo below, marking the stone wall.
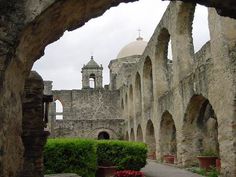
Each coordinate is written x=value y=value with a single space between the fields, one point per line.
x=26 y=30
x=197 y=91
x=87 y=112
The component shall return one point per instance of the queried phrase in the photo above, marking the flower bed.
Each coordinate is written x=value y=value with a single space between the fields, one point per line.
x=129 y=173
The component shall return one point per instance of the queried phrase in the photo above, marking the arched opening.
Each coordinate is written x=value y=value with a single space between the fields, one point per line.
x=127 y=136
x=132 y=135
x=138 y=97
x=139 y=134
x=147 y=87
x=200 y=129
x=200 y=27
x=151 y=140
x=103 y=136
x=92 y=82
x=126 y=107
x=122 y=105
x=164 y=61
x=168 y=144
x=131 y=103
x=59 y=110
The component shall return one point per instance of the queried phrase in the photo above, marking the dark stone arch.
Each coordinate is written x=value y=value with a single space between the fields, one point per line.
x=132 y=138
x=167 y=135
x=138 y=97
x=103 y=135
x=139 y=133
x=151 y=140
x=200 y=129
x=163 y=65
x=147 y=85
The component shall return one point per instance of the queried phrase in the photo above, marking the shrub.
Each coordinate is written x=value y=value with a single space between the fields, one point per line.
x=129 y=173
x=125 y=155
x=70 y=156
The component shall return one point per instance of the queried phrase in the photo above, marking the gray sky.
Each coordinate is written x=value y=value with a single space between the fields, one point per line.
x=103 y=37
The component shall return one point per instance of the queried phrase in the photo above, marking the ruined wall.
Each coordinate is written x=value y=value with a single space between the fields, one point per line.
x=86 y=112
x=23 y=37
x=194 y=85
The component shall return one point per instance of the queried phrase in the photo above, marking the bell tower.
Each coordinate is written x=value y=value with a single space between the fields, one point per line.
x=92 y=75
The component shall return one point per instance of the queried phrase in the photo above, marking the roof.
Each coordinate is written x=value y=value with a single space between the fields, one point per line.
x=134 y=48
x=92 y=64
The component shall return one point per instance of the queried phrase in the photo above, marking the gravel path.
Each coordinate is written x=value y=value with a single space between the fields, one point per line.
x=153 y=169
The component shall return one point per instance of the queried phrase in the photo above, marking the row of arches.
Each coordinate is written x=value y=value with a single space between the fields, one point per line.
x=198 y=134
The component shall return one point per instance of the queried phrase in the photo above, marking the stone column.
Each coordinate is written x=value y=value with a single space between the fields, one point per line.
x=34 y=137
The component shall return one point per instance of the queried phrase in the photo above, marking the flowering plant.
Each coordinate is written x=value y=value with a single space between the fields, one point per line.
x=129 y=173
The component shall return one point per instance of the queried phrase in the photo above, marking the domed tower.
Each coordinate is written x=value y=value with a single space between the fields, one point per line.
x=121 y=67
x=92 y=75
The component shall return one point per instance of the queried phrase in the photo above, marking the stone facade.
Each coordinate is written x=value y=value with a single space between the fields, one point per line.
x=26 y=30
x=187 y=106
x=86 y=113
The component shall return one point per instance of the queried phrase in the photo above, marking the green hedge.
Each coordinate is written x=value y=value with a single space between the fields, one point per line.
x=125 y=155
x=82 y=156
x=70 y=156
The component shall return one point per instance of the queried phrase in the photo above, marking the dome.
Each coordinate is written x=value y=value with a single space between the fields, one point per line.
x=134 y=48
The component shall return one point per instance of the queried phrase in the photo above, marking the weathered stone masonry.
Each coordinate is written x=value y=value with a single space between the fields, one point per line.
x=193 y=97
x=28 y=26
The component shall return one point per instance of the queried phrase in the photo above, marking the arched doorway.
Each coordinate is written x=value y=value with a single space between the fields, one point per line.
x=148 y=86
x=139 y=134
x=132 y=134
x=200 y=129
x=127 y=136
x=167 y=135
x=103 y=136
x=151 y=140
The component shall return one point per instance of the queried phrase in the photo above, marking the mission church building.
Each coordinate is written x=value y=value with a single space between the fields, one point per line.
x=94 y=111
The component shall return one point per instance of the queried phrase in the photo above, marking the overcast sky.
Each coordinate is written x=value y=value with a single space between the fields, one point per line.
x=103 y=37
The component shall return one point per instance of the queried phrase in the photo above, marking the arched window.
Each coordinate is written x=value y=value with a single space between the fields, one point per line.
x=92 y=83
x=103 y=136
x=59 y=110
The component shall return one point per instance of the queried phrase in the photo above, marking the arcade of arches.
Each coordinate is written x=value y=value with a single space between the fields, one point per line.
x=196 y=101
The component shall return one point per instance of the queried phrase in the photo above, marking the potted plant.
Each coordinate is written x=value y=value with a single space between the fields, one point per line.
x=105 y=169
x=207 y=159
x=168 y=158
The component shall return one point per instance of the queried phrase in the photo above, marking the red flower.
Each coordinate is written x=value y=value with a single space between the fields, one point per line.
x=129 y=173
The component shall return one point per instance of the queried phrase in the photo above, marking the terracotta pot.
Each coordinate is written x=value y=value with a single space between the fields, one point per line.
x=207 y=162
x=108 y=171
x=169 y=159
x=218 y=164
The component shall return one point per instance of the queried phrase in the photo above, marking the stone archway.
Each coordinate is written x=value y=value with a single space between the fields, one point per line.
x=167 y=135
x=138 y=97
x=147 y=88
x=200 y=129
x=132 y=135
x=139 y=134
x=103 y=135
x=127 y=136
x=151 y=140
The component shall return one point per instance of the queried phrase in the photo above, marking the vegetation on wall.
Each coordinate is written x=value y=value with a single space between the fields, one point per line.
x=83 y=157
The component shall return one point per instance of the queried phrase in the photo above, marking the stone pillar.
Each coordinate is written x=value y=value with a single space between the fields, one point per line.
x=34 y=137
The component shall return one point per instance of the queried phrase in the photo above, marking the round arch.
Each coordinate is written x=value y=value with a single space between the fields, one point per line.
x=103 y=135
x=132 y=135
x=151 y=140
x=163 y=65
x=138 y=97
x=139 y=134
x=147 y=85
x=200 y=129
x=167 y=135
